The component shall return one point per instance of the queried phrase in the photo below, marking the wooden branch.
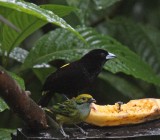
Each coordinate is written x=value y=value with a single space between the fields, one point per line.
x=19 y=101
x=148 y=130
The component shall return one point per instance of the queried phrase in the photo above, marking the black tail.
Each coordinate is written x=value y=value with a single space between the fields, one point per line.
x=44 y=101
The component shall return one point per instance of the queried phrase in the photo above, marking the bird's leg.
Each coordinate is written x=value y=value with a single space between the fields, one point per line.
x=63 y=133
x=82 y=131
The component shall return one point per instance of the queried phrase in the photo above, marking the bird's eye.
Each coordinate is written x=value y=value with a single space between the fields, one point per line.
x=103 y=55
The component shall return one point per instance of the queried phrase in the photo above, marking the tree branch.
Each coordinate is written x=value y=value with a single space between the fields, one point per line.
x=19 y=101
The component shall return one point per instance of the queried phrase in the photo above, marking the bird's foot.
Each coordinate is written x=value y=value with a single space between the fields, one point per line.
x=82 y=131
x=63 y=133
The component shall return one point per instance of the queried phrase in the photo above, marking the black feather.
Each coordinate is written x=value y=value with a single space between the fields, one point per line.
x=75 y=77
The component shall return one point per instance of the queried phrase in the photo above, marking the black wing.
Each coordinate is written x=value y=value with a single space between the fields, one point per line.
x=69 y=79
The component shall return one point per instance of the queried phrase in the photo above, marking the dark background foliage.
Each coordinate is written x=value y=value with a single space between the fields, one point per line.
x=34 y=42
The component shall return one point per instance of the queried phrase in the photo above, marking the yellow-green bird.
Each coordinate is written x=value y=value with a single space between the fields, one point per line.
x=72 y=111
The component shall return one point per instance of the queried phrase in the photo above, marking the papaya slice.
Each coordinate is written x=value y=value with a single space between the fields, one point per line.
x=133 y=112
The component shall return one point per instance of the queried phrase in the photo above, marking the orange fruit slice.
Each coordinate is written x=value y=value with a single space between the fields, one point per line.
x=133 y=112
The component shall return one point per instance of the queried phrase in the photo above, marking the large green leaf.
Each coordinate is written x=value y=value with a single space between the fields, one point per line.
x=55 y=44
x=42 y=73
x=125 y=87
x=27 y=17
x=5 y=134
x=61 y=44
x=83 y=9
x=59 y=10
x=141 y=39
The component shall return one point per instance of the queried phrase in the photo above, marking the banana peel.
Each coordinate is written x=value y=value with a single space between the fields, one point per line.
x=133 y=112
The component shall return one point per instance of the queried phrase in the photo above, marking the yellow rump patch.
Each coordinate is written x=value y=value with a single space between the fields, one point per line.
x=65 y=65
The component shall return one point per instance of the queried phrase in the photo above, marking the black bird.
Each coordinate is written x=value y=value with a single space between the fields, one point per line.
x=75 y=77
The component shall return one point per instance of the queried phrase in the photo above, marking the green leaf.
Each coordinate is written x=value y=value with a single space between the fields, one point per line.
x=61 y=44
x=101 y=4
x=59 y=10
x=27 y=17
x=141 y=39
x=5 y=134
x=3 y=105
x=125 y=87
x=83 y=9
x=42 y=73
x=18 y=79
x=51 y=47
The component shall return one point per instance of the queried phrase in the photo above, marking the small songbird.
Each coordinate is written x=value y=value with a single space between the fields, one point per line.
x=72 y=111
x=74 y=78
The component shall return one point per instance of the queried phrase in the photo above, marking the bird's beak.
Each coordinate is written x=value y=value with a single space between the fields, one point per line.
x=92 y=100
x=110 y=56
